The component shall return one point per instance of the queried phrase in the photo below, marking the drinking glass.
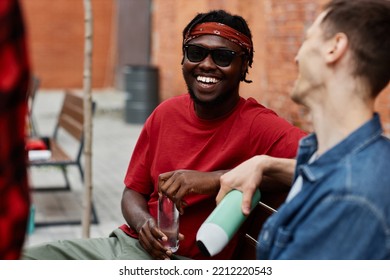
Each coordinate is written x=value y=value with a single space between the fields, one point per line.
x=168 y=222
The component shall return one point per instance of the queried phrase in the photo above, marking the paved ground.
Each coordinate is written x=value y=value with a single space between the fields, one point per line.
x=113 y=143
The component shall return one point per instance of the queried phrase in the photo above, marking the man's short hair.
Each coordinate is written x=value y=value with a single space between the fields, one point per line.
x=366 y=23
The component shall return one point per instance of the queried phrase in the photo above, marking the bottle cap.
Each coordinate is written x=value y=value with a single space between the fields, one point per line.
x=211 y=239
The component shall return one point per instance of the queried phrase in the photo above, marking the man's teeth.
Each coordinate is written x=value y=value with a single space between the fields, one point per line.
x=207 y=80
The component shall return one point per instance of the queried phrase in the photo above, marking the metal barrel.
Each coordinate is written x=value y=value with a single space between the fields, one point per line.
x=141 y=87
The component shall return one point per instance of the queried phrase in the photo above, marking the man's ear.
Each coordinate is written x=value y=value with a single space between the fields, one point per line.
x=336 y=48
x=244 y=67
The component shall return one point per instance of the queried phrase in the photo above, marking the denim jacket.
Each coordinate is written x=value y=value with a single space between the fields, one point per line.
x=343 y=208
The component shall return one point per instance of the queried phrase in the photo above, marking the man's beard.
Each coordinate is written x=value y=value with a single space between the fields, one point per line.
x=220 y=99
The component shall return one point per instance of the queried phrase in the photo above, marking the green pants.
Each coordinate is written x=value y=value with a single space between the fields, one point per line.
x=118 y=246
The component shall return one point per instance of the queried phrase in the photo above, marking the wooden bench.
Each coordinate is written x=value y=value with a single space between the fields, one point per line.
x=71 y=122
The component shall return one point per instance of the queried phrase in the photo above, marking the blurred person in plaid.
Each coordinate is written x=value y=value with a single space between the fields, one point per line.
x=14 y=79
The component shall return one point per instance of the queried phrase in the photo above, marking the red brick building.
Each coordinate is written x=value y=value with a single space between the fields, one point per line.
x=148 y=32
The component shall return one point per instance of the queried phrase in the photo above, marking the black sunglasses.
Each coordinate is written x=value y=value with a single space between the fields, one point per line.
x=221 y=57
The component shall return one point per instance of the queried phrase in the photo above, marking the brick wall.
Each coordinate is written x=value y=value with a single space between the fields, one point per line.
x=56 y=41
x=277 y=28
x=56 y=31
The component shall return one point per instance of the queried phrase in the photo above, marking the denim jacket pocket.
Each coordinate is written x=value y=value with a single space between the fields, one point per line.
x=272 y=241
x=283 y=237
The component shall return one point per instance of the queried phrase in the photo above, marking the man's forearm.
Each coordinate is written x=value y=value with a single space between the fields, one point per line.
x=277 y=169
x=134 y=209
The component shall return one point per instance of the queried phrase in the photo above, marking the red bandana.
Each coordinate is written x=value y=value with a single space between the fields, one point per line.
x=222 y=30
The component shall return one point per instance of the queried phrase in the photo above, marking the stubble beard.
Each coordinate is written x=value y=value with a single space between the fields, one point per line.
x=220 y=99
x=211 y=103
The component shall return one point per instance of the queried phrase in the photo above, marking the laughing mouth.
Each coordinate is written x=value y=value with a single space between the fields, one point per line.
x=207 y=80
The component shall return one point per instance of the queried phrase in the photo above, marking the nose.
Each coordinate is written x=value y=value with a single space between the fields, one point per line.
x=207 y=63
x=297 y=56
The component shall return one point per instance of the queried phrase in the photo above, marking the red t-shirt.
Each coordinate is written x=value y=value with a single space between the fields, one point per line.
x=175 y=138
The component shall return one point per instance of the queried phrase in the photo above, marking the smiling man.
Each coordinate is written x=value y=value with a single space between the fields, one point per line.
x=186 y=144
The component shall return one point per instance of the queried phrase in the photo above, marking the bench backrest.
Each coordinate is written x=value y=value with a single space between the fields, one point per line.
x=71 y=117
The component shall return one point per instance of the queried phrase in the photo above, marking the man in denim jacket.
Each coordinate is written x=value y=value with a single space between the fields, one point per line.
x=339 y=205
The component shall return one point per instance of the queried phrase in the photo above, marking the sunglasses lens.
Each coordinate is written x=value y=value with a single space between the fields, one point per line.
x=222 y=58
x=196 y=53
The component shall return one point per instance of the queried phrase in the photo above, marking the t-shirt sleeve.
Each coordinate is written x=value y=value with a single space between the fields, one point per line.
x=274 y=136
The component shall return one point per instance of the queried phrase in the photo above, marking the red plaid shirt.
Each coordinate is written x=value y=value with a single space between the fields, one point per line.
x=14 y=79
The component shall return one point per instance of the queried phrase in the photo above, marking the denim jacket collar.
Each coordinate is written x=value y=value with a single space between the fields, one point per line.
x=356 y=141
